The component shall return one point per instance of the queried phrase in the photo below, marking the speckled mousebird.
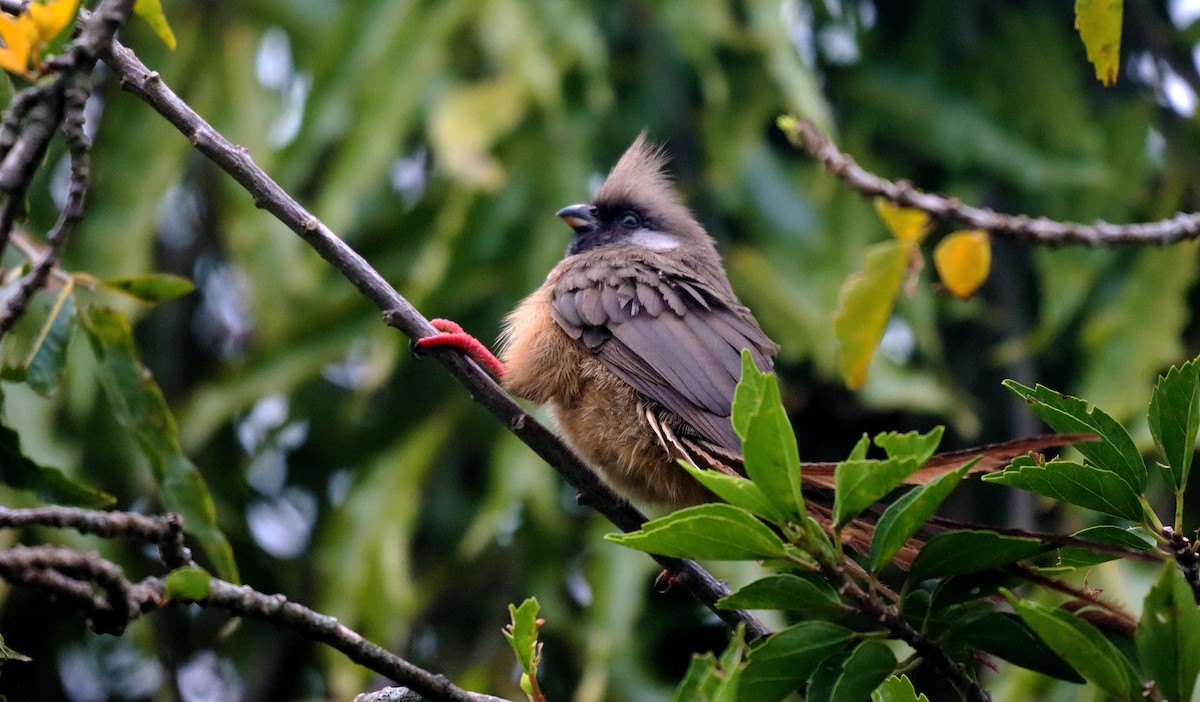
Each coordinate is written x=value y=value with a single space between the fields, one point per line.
x=634 y=340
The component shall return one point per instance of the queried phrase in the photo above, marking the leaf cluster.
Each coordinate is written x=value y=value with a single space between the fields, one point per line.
x=959 y=591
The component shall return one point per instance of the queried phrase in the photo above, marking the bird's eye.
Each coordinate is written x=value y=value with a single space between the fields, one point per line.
x=631 y=220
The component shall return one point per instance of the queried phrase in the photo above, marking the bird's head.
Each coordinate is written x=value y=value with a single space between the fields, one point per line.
x=637 y=206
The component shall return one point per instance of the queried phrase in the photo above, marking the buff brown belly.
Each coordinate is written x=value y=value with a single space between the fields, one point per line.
x=600 y=416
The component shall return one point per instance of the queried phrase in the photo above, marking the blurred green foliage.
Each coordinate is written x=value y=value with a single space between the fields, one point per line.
x=439 y=137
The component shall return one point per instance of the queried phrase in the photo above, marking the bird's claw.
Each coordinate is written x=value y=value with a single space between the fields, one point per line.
x=451 y=334
x=664 y=582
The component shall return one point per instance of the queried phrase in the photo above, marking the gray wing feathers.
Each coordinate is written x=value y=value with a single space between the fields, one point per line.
x=672 y=338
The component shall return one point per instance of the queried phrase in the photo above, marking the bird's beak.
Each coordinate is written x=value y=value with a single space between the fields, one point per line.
x=581 y=218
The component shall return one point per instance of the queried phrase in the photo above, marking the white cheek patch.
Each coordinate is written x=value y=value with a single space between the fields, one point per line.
x=654 y=240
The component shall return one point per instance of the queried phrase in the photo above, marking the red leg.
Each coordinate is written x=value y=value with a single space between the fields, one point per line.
x=453 y=335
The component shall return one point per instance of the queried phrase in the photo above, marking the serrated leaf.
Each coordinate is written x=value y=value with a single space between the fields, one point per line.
x=10 y=654
x=963 y=260
x=188 y=583
x=1168 y=635
x=737 y=491
x=809 y=596
x=1080 y=644
x=153 y=288
x=748 y=395
x=769 y=450
x=1079 y=556
x=712 y=679
x=903 y=517
x=1007 y=637
x=1115 y=451
x=786 y=659
x=1099 y=25
x=1067 y=481
x=914 y=445
x=152 y=12
x=865 y=304
x=968 y=551
x=897 y=689
x=139 y=406
x=905 y=224
x=49 y=485
x=860 y=484
x=48 y=357
x=852 y=678
x=1174 y=418
x=716 y=532
x=522 y=634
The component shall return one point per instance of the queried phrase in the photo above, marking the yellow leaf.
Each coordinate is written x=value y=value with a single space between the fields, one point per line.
x=18 y=34
x=866 y=304
x=963 y=260
x=903 y=223
x=1099 y=25
x=51 y=18
x=152 y=12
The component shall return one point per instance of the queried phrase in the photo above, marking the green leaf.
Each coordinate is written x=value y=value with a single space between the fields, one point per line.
x=919 y=447
x=785 y=660
x=1066 y=481
x=1078 y=556
x=738 y=491
x=139 y=406
x=1174 y=418
x=897 y=689
x=153 y=288
x=967 y=551
x=858 y=484
x=866 y=304
x=748 y=395
x=1006 y=636
x=152 y=12
x=852 y=678
x=810 y=596
x=769 y=445
x=903 y=517
x=1080 y=644
x=48 y=358
x=1168 y=635
x=47 y=484
x=11 y=654
x=522 y=634
x=715 y=532
x=709 y=679
x=958 y=589
x=188 y=583
x=1099 y=25
x=1114 y=452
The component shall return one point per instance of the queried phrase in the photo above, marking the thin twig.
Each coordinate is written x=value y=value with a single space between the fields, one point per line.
x=166 y=531
x=73 y=575
x=398 y=312
x=1184 y=553
x=60 y=106
x=1037 y=230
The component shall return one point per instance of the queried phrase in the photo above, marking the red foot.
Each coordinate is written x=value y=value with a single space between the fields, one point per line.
x=453 y=335
x=665 y=581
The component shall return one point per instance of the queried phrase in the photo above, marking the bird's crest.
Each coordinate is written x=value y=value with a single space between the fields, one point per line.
x=640 y=181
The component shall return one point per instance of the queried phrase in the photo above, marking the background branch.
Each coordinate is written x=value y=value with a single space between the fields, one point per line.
x=74 y=576
x=1038 y=230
